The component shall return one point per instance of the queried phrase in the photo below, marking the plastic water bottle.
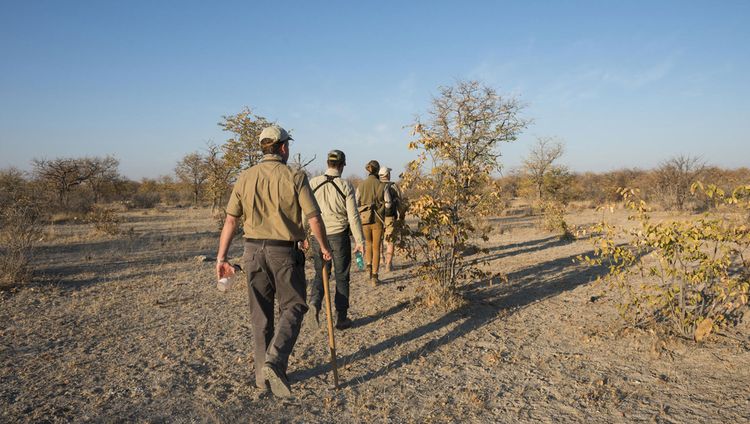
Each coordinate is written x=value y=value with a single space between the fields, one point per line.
x=227 y=282
x=360 y=261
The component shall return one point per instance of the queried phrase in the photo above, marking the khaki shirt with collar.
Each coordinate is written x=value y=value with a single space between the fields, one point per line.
x=273 y=199
x=337 y=212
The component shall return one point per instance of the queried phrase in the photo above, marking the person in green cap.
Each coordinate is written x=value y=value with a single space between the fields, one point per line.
x=273 y=200
x=338 y=207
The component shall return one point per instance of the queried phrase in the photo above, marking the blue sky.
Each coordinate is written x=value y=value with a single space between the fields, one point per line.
x=623 y=84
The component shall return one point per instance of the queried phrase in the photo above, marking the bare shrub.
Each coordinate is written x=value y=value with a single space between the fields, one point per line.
x=105 y=220
x=689 y=277
x=20 y=228
x=674 y=178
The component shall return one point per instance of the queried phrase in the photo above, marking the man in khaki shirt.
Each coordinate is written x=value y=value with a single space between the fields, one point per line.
x=273 y=200
x=339 y=211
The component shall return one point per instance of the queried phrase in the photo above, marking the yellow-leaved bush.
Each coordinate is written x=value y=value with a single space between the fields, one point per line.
x=449 y=185
x=689 y=276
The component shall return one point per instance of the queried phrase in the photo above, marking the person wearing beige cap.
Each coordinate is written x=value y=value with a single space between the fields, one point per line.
x=273 y=200
x=393 y=211
x=370 y=195
x=338 y=208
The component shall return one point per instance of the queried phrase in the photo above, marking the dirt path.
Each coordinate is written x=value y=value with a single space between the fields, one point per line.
x=132 y=329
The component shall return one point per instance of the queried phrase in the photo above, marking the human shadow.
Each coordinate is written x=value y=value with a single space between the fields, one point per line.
x=487 y=303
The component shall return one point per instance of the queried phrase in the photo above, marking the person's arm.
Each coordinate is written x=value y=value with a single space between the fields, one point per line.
x=224 y=268
x=355 y=222
x=312 y=212
x=319 y=232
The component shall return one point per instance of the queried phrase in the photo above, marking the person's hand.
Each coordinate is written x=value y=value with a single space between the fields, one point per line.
x=303 y=245
x=359 y=248
x=326 y=253
x=224 y=269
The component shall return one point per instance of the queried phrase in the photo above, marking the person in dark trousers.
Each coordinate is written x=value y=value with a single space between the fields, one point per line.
x=370 y=195
x=338 y=208
x=272 y=200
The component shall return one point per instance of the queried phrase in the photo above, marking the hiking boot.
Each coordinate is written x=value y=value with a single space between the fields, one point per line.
x=374 y=280
x=277 y=380
x=342 y=322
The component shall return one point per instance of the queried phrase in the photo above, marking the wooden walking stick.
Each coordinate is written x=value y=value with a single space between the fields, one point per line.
x=329 y=315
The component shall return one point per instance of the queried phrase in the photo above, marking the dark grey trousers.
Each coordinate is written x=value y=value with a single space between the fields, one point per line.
x=341 y=250
x=274 y=271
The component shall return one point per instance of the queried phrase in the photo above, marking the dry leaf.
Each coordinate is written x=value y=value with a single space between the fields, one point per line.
x=703 y=329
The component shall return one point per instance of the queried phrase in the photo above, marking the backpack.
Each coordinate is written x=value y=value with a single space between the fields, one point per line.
x=391 y=200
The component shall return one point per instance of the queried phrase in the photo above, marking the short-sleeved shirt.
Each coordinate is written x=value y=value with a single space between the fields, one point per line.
x=274 y=200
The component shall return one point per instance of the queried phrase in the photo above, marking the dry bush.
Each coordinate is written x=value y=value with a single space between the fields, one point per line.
x=691 y=276
x=143 y=201
x=20 y=228
x=105 y=220
x=553 y=220
x=674 y=178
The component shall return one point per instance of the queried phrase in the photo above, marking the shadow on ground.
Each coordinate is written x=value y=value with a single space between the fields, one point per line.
x=487 y=303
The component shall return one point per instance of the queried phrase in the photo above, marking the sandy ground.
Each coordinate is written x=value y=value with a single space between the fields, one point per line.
x=131 y=328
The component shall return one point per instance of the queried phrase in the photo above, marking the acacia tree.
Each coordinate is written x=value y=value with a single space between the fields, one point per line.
x=450 y=181
x=674 y=178
x=101 y=172
x=218 y=177
x=539 y=163
x=242 y=150
x=191 y=170
x=62 y=175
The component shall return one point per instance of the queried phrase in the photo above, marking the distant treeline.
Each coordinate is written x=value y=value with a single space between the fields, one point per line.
x=75 y=185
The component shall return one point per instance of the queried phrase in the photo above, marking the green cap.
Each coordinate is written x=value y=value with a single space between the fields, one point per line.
x=337 y=156
x=272 y=135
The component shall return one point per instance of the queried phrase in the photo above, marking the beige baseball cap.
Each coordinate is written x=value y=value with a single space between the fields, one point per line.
x=272 y=135
x=384 y=170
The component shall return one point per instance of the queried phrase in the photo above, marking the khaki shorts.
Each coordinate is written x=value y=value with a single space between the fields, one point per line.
x=388 y=229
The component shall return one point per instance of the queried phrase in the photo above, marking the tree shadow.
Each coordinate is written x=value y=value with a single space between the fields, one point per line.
x=529 y=245
x=63 y=265
x=487 y=303
x=359 y=322
x=493 y=253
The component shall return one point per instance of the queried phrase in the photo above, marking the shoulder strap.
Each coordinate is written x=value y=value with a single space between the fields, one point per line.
x=329 y=179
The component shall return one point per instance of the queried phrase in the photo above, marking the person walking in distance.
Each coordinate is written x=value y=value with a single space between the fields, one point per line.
x=370 y=194
x=339 y=212
x=273 y=200
x=393 y=212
